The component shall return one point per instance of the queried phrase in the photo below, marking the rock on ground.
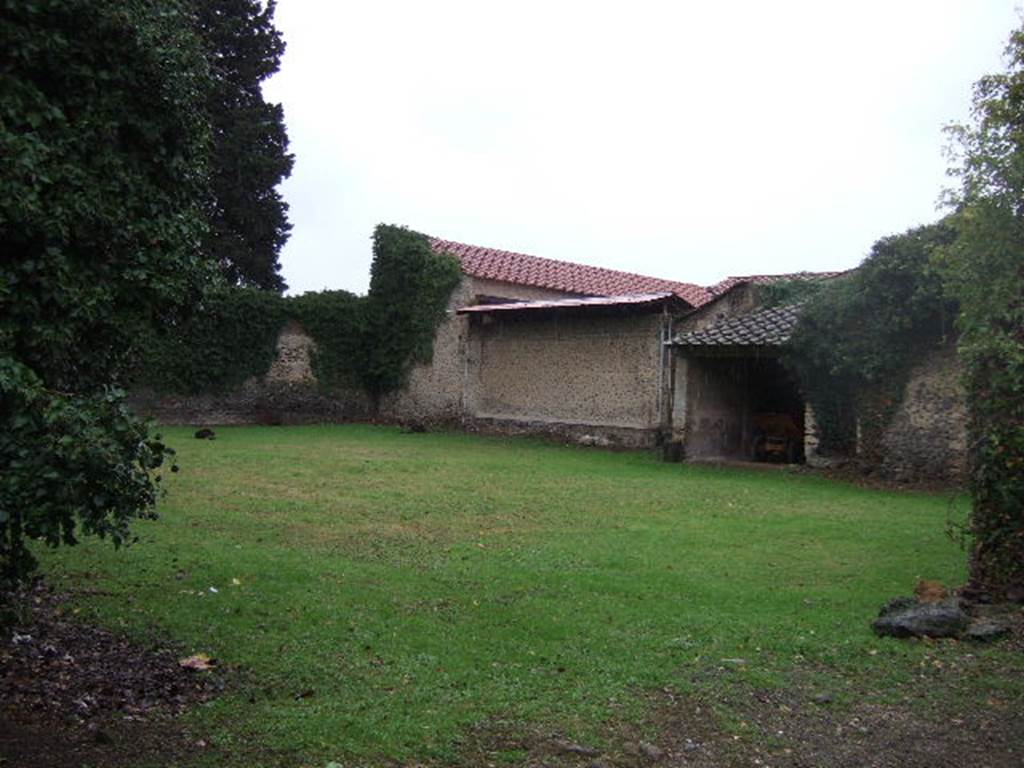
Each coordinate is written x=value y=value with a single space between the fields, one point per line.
x=905 y=617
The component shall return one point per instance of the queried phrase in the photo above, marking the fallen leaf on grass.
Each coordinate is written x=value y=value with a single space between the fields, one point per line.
x=199 y=662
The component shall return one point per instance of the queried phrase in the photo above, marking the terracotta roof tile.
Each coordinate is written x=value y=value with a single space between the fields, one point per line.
x=770 y=327
x=522 y=269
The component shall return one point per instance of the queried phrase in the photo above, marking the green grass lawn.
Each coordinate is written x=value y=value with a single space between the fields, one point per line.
x=418 y=584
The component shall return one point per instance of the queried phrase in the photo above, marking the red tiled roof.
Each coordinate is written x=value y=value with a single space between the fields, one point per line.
x=522 y=269
x=629 y=300
x=731 y=282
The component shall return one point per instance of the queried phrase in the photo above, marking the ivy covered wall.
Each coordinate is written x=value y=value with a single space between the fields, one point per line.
x=366 y=343
x=860 y=336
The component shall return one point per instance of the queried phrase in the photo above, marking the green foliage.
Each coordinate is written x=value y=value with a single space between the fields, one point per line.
x=786 y=292
x=337 y=322
x=248 y=218
x=72 y=465
x=370 y=342
x=859 y=334
x=231 y=335
x=409 y=290
x=103 y=161
x=985 y=272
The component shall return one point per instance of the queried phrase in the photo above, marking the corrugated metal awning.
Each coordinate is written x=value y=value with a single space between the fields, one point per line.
x=627 y=300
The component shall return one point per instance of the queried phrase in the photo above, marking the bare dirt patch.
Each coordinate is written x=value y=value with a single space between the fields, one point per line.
x=73 y=694
x=797 y=727
x=926 y=724
x=778 y=729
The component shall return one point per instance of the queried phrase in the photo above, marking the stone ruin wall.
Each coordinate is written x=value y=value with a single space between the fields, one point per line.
x=451 y=389
x=738 y=301
x=927 y=438
x=287 y=394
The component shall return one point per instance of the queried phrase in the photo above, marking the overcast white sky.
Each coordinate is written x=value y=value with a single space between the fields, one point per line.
x=683 y=140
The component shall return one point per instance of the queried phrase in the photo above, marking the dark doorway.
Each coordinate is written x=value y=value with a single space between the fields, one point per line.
x=776 y=413
x=742 y=406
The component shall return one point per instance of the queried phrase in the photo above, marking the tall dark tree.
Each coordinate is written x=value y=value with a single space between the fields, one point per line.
x=103 y=147
x=248 y=218
x=985 y=269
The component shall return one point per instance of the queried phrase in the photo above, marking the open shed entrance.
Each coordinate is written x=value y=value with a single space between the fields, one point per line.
x=740 y=407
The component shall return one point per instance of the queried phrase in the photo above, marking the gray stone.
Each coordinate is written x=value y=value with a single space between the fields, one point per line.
x=986 y=630
x=908 y=618
x=650 y=751
x=897 y=604
x=601 y=441
x=818 y=462
x=575 y=749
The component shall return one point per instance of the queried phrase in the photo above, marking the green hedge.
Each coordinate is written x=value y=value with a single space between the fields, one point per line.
x=336 y=320
x=370 y=342
x=231 y=336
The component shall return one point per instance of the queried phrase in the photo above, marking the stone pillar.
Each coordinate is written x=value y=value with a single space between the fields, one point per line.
x=812 y=440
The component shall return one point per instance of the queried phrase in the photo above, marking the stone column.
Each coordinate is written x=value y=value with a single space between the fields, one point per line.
x=812 y=439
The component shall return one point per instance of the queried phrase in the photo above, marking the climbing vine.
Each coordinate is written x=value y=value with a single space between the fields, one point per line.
x=370 y=342
x=859 y=335
x=409 y=289
x=336 y=320
x=229 y=337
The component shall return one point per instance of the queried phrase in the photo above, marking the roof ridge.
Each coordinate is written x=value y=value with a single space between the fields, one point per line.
x=799 y=272
x=503 y=252
x=557 y=274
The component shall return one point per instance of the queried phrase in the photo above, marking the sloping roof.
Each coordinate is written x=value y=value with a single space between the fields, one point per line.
x=629 y=300
x=770 y=327
x=731 y=282
x=523 y=269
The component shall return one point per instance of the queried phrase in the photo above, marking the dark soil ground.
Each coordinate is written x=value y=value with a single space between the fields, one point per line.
x=75 y=695
x=935 y=722
x=787 y=729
